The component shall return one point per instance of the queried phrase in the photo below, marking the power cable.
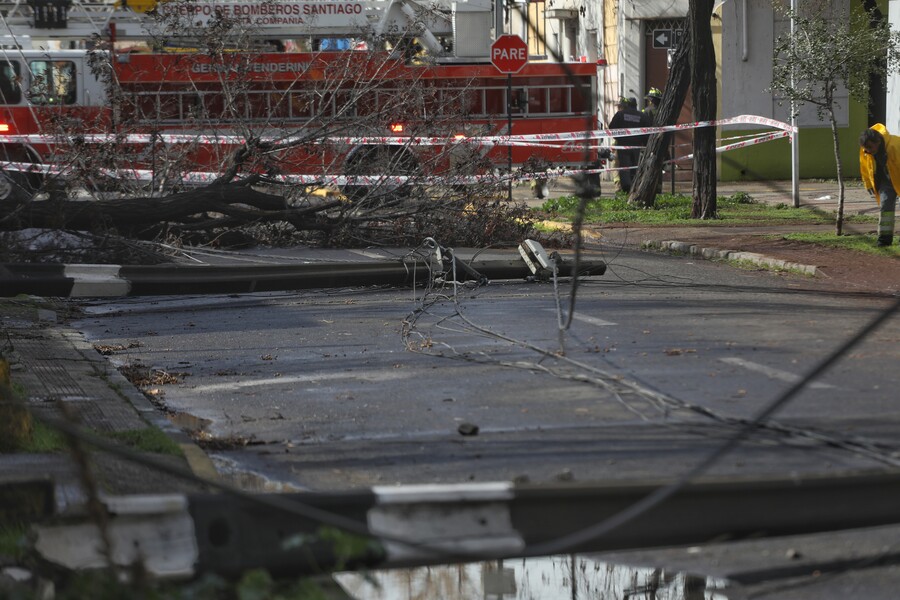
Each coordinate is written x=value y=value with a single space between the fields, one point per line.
x=566 y=543
x=619 y=386
x=561 y=543
x=279 y=502
x=662 y=494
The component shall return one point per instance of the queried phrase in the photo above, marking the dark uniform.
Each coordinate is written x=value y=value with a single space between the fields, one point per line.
x=628 y=117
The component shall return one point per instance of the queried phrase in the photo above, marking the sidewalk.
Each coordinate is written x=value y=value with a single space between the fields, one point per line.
x=57 y=369
x=819 y=195
x=752 y=244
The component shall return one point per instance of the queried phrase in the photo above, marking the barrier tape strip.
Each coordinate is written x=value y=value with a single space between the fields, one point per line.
x=751 y=142
x=205 y=177
x=498 y=140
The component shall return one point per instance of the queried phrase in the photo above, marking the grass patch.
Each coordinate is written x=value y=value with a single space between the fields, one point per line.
x=12 y=540
x=45 y=439
x=150 y=439
x=21 y=432
x=858 y=242
x=860 y=219
x=675 y=209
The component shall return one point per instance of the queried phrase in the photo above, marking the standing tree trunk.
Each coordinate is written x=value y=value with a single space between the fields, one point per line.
x=839 y=219
x=703 y=82
x=649 y=172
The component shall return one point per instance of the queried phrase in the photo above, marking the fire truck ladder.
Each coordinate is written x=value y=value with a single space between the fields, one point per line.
x=26 y=23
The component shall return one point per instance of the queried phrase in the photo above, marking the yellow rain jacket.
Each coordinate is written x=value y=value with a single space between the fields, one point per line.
x=867 y=162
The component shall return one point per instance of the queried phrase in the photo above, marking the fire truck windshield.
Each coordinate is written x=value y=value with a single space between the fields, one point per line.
x=52 y=82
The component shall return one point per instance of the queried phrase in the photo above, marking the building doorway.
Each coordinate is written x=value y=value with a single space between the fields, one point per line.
x=661 y=37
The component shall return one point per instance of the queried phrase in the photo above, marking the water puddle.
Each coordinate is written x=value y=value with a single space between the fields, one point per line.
x=247 y=480
x=569 y=577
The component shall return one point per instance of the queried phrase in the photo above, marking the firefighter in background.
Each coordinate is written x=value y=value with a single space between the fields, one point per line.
x=879 y=166
x=627 y=117
x=653 y=98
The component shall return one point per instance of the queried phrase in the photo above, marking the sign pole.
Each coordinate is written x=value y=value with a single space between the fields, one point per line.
x=509 y=101
x=509 y=53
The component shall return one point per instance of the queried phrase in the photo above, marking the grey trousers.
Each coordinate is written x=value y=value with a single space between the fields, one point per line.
x=888 y=208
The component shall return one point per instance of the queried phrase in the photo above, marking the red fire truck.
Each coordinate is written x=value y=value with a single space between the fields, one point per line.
x=301 y=117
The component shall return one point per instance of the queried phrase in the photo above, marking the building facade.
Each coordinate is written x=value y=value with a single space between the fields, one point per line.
x=637 y=37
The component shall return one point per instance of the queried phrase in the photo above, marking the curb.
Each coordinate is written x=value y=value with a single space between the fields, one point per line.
x=198 y=461
x=717 y=254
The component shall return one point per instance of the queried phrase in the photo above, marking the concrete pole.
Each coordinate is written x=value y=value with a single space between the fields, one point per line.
x=795 y=136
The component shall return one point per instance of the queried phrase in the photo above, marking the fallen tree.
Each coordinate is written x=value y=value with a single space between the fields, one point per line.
x=210 y=207
x=203 y=214
x=107 y=184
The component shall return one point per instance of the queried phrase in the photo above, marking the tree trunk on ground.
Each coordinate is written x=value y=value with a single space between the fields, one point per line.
x=703 y=82
x=649 y=172
x=239 y=203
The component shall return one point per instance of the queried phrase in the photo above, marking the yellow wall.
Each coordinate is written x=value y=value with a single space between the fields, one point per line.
x=772 y=160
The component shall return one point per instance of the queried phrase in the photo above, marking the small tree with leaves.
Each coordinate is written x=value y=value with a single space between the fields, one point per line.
x=827 y=51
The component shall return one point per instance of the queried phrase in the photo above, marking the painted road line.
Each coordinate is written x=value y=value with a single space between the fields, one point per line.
x=352 y=375
x=772 y=373
x=587 y=319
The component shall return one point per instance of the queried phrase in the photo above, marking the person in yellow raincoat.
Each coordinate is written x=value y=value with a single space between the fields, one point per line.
x=879 y=167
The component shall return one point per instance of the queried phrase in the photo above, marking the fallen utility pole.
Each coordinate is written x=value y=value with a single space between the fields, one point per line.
x=419 y=525
x=84 y=281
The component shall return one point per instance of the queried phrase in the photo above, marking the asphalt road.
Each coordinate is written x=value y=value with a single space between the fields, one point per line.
x=665 y=358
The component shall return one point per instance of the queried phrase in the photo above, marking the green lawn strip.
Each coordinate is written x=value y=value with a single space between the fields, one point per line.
x=857 y=242
x=35 y=436
x=12 y=540
x=675 y=209
x=150 y=439
x=45 y=439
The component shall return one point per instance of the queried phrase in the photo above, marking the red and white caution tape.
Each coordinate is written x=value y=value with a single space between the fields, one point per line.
x=744 y=144
x=571 y=141
x=497 y=140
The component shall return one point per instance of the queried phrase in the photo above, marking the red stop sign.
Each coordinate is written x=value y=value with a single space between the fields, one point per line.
x=509 y=53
